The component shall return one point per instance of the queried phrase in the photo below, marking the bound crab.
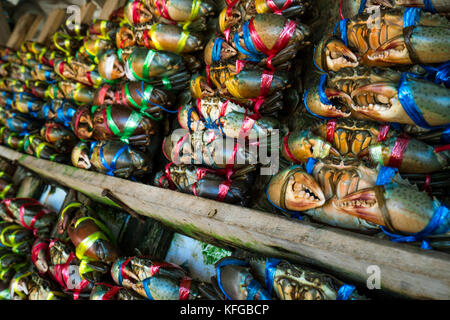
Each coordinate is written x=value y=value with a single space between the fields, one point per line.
x=404 y=37
x=359 y=198
x=259 y=89
x=231 y=119
x=105 y=291
x=159 y=68
x=158 y=280
x=267 y=38
x=29 y=213
x=114 y=122
x=160 y=36
x=59 y=136
x=143 y=97
x=111 y=157
x=381 y=95
x=294 y=282
x=93 y=241
x=220 y=185
x=210 y=149
x=407 y=154
x=37 y=146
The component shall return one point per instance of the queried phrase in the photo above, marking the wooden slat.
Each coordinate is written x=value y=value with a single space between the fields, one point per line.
x=53 y=22
x=87 y=12
x=109 y=7
x=4 y=27
x=405 y=269
x=23 y=29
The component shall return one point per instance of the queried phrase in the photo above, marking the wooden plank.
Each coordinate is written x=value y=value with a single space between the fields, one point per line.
x=21 y=30
x=404 y=269
x=109 y=7
x=4 y=26
x=87 y=12
x=53 y=22
x=33 y=28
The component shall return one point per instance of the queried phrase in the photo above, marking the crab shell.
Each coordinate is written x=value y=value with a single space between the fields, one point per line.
x=216 y=151
x=269 y=27
x=101 y=250
x=145 y=127
x=163 y=63
x=235 y=280
x=137 y=12
x=131 y=162
x=76 y=91
x=182 y=10
x=247 y=84
x=418 y=157
x=295 y=282
x=170 y=38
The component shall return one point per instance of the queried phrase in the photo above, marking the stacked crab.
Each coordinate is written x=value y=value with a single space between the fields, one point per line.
x=27 y=125
x=379 y=113
x=234 y=104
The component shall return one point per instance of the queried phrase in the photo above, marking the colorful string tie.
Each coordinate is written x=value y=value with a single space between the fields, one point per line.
x=110 y=169
x=438 y=74
x=253 y=287
x=322 y=97
x=342 y=25
x=146 y=97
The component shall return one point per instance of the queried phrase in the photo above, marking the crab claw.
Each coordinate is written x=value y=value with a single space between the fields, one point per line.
x=331 y=54
x=226 y=21
x=300 y=192
x=300 y=145
x=407 y=209
x=340 y=107
x=80 y=156
x=199 y=87
x=379 y=101
x=424 y=44
x=226 y=51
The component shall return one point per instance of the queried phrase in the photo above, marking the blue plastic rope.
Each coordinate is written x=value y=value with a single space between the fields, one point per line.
x=93 y=144
x=411 y=17
x=405 y=96
x=189 y=113
x=310 y=165
x=321 y=89
x=112 y=168
x=148 y=101
x=253 y=288
x=362 y=6
x=147 y=290
x=385 y=174
x=438 y=224
x=439 y=74
x=224 y=263
x=342 y=24
x=269 y=271
x=252 y=57
x=217 y=48
x=429 y=6
x=345 y=292
x=307 y=109
x=314 y=60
